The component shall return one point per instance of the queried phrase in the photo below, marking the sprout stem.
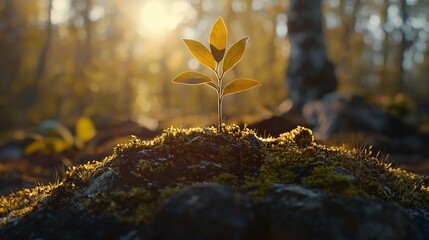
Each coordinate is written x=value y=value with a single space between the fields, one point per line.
x=219 y=113
x=219 y=98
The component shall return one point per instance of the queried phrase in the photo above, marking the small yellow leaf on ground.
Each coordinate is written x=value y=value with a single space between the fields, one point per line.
x=50 y=145
x=85 y=129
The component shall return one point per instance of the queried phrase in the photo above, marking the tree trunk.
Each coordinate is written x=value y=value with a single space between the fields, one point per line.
x=41 y=64
x=403 y=47
x=310 y=74
x=129 y=87
x=384 y=86
x=83 y=59
x=13 y=43
x=88 y=32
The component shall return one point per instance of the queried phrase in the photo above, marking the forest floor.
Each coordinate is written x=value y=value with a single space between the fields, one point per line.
x=18 y=170
x=202 y=183
x=43 y=167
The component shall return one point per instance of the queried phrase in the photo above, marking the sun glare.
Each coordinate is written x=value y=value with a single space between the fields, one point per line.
x=157 y=17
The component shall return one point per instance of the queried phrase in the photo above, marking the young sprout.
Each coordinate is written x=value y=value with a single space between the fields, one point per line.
x=219 y=62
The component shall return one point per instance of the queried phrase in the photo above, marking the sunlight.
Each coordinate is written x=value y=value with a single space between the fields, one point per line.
x=60 y=9
x=156 y=17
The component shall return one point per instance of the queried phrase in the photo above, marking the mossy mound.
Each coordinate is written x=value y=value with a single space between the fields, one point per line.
x=130 y=185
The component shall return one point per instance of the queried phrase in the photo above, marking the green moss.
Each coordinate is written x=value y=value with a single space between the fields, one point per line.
x=324 y=178
x=256 y=187
x=302 y=136
x=22 y=202
x=132 y=183
x=134 y=205
x=226 y=179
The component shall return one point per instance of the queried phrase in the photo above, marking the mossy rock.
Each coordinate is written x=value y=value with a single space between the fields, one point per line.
x=128 y=187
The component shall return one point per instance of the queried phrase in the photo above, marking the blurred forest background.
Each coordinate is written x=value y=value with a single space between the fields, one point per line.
x=113 y=60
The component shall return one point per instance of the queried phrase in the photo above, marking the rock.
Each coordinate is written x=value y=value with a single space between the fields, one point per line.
x=337 y=113
x=11 y=152
x=212 y=211
x=340 y=118
x=127 y=195
x=206 y=211
x=296 y=212
x=65 y=224
x=102 y=183
x=421 y=218
x=255 y=143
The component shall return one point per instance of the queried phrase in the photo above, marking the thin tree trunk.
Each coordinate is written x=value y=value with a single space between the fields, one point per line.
x=403 y=47
x=83 y=58
x=129 y=87
x=12 y=43
x=43 y=57
x=88 y=32
x=349 y=20
x=384 y=70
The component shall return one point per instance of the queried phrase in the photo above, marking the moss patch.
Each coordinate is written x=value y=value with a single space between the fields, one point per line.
x=132 y=183
x=326 y=179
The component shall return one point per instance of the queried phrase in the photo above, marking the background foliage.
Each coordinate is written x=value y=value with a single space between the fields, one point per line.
x=114 y=59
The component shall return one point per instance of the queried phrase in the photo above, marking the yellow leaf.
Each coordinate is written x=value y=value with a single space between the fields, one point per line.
x=51 y=145
x=57 y=145
x=218 y=39
x=234 y=54
x=201 y=53
x=66 y=135
x=191 y=78
x=35 y=146
x=239 y=85
x=85 y=129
